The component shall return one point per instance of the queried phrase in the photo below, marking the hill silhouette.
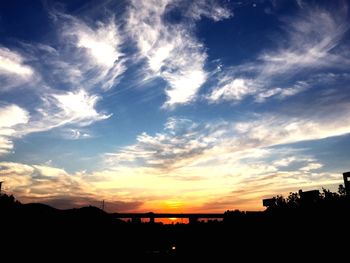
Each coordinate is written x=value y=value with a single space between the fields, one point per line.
x=304 y=225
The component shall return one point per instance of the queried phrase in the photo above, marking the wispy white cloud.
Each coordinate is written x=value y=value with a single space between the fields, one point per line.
x=101 y=46
x=87 y=58
x=13 y=69
x=10 y=116
x=170 y=50
x=78 y=107
x=69 y=108
x=208 y=8
x=312 y=37
x=311 y=166
x=181 y=141
x=309 y=44
x=12 y=63
x=73 y=109
x=284 y=161
x=236 y=89
x=86 y=54
x=74 y=133
x=232 y=90
x=274 y=130
x=184 y=143
x=281 y=93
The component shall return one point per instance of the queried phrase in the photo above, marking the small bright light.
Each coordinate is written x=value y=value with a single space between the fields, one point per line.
x=173 y=248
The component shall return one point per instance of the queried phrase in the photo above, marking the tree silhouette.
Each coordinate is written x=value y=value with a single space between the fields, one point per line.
x=293 y=200
x=341 y=190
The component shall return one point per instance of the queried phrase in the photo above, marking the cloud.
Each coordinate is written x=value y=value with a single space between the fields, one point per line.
x=10 y=116
x=85 y=54
x=73 y=109
x=273 y=130
x=312 y=42
x=232 y=90
x=14 y=174
x=78 y=107
x=13 y=69
x=66 y=80
x=171 y=52
x=237 y=89
x=284 y=161
x=12 y=63
x=69 y=108
x=312 y=38
x=311 y=166
x=184 y=143
x=282 y=93
x=278 y=183
x=101 y=46
x=181 y=141
x=74 y=133
x=278 y=171
x=229 y=162
x=232 y=164
x=208 y=8
x=56 y=187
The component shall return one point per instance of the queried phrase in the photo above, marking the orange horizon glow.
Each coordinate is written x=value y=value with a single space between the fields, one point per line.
x=162 y=194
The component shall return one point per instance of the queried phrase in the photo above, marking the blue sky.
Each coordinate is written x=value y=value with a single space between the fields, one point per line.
x=172 y=105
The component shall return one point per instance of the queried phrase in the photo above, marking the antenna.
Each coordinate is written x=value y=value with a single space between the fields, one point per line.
x=103 y=205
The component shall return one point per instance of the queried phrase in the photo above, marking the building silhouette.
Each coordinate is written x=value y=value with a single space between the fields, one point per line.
x=269 y=202
x=346 y=177
x=311 y=196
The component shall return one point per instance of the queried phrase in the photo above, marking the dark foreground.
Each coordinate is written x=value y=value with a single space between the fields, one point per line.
x=304 y=232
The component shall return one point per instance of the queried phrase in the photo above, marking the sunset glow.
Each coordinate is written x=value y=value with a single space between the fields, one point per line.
x=172 y=106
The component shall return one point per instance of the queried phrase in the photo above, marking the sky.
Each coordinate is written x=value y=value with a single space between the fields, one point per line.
x=172 y=105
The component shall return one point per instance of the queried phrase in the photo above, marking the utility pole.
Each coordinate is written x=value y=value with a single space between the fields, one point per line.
x=0 y=186
x=103 y=205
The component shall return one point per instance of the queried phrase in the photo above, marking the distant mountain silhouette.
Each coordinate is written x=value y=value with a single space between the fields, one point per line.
x=39 y=209
x=12 y=210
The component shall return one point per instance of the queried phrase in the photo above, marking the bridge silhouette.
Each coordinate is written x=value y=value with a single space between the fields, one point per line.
x=192 y=217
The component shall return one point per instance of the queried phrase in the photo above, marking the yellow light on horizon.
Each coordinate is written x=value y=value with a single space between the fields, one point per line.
x=173 y=204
